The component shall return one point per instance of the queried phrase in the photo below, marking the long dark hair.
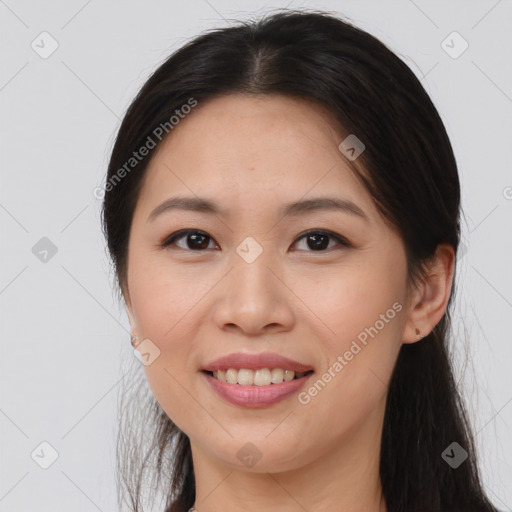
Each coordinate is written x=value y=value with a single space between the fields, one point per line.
x=409 y=168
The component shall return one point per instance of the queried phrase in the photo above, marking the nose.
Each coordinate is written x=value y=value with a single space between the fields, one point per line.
x=254 y=299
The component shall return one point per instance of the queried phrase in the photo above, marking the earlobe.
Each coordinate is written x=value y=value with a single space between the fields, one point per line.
x=432 y=296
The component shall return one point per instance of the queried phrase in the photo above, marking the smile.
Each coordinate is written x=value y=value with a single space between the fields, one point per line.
x=261 y=377
x=255 y=395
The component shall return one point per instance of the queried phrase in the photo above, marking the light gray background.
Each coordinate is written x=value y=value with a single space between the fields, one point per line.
x=64 y=339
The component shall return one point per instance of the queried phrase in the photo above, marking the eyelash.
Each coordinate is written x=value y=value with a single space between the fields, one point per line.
x=182 y=233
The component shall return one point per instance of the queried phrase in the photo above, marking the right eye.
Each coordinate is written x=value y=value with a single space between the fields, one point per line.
x=195 y=240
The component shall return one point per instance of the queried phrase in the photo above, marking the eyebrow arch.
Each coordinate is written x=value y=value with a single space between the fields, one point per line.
x=195 y=204
x=324 y=203
x=301 y=207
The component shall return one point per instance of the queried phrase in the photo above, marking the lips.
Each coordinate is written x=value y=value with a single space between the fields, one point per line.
x=255 y=396
x=256 y=362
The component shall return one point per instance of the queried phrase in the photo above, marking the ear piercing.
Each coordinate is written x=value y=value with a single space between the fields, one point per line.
x=134 y=341
x=418 y=333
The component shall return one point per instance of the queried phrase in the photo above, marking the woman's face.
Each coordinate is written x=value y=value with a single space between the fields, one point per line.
x=253 y=282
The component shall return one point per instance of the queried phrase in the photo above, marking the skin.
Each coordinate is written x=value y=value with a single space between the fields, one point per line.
x=251 y=155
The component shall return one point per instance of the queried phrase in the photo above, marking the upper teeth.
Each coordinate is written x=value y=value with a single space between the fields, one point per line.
x=262 y=377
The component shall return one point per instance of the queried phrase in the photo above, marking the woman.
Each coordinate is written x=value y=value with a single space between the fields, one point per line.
x=282 y=211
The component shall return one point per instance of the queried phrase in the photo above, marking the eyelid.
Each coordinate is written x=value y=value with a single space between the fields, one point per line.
x=342 y=241
x=339 y=238
x=168 y=241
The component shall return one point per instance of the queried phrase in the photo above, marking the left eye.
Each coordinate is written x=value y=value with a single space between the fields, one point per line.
x=319 y=240
x=196 y=240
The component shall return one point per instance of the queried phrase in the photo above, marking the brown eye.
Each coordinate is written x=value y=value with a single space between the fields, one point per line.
x=318 y=241
x=194 y=240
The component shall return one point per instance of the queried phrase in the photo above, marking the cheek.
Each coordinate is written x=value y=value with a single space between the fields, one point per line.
x=166 y=308
x=351 y=300
x=163 y=295
x=362 y=315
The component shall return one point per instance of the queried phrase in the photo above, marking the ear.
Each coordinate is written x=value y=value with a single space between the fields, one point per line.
x=131 y=318
x=430 y=298
x=129 y=311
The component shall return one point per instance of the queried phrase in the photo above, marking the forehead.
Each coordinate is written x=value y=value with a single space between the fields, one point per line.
x=278 y=121
x=270 y=148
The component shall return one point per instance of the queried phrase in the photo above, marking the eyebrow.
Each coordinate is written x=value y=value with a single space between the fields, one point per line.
x=301 y=207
